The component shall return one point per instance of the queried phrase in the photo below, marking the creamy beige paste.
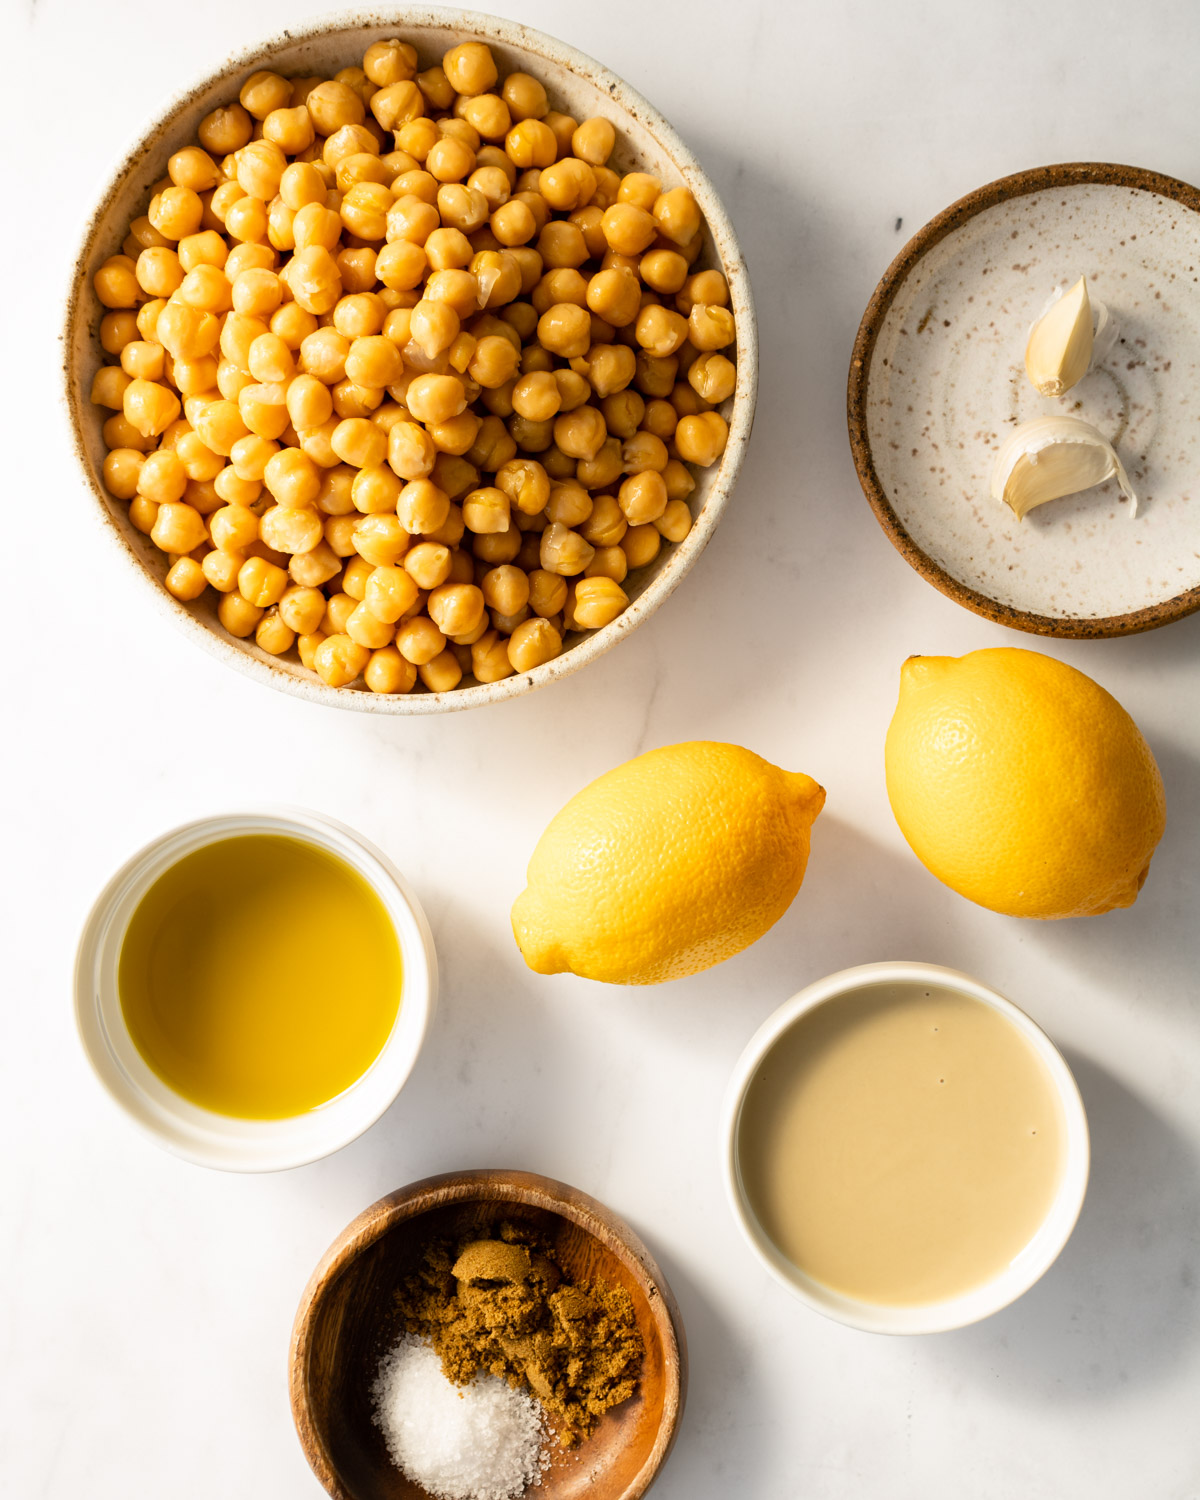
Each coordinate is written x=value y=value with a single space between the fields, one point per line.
x=901 y=1145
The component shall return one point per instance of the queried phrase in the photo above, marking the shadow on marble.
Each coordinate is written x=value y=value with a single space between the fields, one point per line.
x=725 y=1392
x=1121 y=1306
x=860 y=903
x=1150 y=951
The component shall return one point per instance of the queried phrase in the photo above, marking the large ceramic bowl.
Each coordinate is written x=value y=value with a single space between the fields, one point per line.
x=937 y=380
x=576 y=84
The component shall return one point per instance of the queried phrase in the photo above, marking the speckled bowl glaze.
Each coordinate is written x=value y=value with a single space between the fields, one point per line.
x=576 y=83
x=937 y=380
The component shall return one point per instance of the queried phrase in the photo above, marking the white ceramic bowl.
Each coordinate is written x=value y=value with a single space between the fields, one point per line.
x=576 y=83
x=200 y=1135
x=981 y=1301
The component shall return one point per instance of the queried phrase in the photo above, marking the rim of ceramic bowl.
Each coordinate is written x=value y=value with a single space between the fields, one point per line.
x=203 y=1136
x=500 y=1185
x=1018 y=185
x=258 y=665
x=982 y=1301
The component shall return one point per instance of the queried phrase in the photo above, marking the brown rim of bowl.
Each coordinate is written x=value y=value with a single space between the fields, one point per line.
x=1035 y=180
x=500 y=1186
x=540 y=45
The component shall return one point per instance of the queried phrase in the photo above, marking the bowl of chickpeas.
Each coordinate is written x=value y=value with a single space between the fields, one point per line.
x=411 y=365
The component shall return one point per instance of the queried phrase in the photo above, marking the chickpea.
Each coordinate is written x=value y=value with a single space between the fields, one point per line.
x=390 y=593
x=660 y=331
x=339 y=660
x=163 y=479
x=713 y=377
x=238 y=615
x=603 y=470
x=109 y=386
x=628 y=229
x=655 y=374
x=261 y=583
x=264 y=91
x=220 y=569
x=615 y=296
x=388 y=672
x=526 y=484
x=461 y=207
x=598 y=601
x=422 y=508
x=564 y=551
x=456 y=608
x=338 y=609
x=185 y=579
x=367 y=629
x=158 y=271
x=116 y=283
x=388 y=62
x=428 y=563
x=677 y=215
x=531 y=143
x=506 y=589
x=312 y=569
x=486 y=511
x=441 y=674
x=400 y=265
x=313 y=276
x=701 y=439
x=306 y=647
x=333 y=105
x=436 y=398
x=302 y=609
x=411 y=451
x=580 y=433
x=663 y=271
x=373 y=360
x=643 y=497
x=151 y=408
x=359 y=442
x=643 y=450
x=117 y=329
x=525 y=97
x=433 y=326
x=291 y=529
x=565 y=330
x=470 y=68
x=419 y=640
x=178 y=528
x=641 y=189
x=121 y=469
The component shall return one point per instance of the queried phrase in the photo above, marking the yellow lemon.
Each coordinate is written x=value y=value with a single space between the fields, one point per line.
x=1022 y=784
x=666 y=865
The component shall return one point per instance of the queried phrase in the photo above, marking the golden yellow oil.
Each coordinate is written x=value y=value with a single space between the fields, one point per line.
x=260 y=976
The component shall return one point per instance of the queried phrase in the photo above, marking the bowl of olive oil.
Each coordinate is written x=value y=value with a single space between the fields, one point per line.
x=253 y=989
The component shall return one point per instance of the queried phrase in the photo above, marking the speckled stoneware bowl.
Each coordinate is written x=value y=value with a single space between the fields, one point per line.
x=576 y=84
x=937 y=381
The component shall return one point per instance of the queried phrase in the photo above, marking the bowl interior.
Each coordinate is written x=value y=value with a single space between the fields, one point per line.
x=577 y=85
x=943 y=383
x=351 y=1323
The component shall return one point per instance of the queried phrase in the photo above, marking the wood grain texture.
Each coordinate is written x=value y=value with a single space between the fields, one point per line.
x=346 y=1322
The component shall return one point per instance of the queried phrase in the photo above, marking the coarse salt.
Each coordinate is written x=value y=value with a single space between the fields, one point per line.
x=482 y=1441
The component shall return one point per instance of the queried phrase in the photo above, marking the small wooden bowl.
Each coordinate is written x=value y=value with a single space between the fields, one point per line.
x=346 y=1322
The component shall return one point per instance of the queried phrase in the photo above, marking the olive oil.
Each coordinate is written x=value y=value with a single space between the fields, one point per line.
x=260 y=976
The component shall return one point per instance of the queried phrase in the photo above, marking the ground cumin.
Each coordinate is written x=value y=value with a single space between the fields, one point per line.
x=503 y=1305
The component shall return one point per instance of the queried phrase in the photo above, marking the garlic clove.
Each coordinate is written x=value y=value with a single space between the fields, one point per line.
x=1050 y=457
x=1058 y=353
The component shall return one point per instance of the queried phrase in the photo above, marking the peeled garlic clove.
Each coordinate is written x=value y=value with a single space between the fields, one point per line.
x=1059 y=350
x=1050 y=457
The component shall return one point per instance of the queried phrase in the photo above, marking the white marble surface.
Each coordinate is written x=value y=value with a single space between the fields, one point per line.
x=147 y=1304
